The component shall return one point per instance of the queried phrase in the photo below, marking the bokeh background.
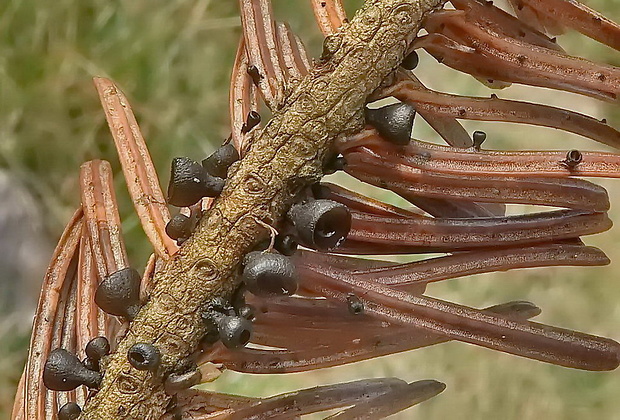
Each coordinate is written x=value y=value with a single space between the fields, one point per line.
x=172 y=58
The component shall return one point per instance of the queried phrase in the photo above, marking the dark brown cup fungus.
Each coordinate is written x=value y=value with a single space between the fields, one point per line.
x=411 y=61
x=189 y=182
x=69 y=411
x=144 y=356
x=479 y=137
x=246 y=311
x=320 y=191
x=221 y=305
x=119 y=293
x=211 y=337
x=286 y=244
x=234 y=331
x=237 y=300
x=355 y=305
x=95 y=350
x=269 y=274
x=518 y=309
x=573 y=158
x=393 y=122
x=254 y=74
x=252 y=120
x=334 y=164
x=321 y=224
x=218 y=163
x=176 y=382
x=63 y=371
x=179 y=227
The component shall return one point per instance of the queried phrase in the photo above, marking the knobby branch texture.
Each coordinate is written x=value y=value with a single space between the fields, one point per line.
x=284 y=158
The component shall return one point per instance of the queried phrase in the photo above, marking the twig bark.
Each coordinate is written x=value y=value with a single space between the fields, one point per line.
x=285 y=157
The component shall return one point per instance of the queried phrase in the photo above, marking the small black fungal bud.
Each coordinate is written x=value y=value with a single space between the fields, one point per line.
x=234 y=331
x=63 y=371
x=251 y=121
x=519 y=309
x=179 y=227
x=411 y=61
x=96 y=349
x=356 y=306
x=211 y=337
x=247 y=312
x=269 y=274
x=479 y=137
x=573 y=158
x=144 y=356
x=221 y=305
x=262 y=245
x=425 y=156
x=286 y=244
x=119 y=293
x=321 y=224
x=189 y=182
x=238 y=298
x=336 y=163
x=218 y=163
x=69 y=411
x=331 y=43
x=393 y=122
x=320 y=191
x=176 y=382
x=254 y=74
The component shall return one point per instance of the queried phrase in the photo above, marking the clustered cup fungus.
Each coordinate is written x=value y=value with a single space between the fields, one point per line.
x=144 y=356
x=218 y=163
x=119 y=293
x=478 y=138
x=269 y=274
x=411 y=61
x=69 y=411
x=299 y=275
x=95 y=350
x=190 y=181
x=234 y=329
x=179 y=228
x=573 y=158
x=252 y=121
x=64 y=372
x=393 y=122
x=321 y=224
x=176 y=382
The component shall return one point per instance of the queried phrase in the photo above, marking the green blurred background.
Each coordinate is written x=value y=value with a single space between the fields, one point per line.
x=172 y=58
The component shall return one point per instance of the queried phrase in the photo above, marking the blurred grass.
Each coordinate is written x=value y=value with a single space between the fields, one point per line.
x=172 y=59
